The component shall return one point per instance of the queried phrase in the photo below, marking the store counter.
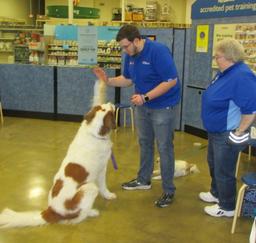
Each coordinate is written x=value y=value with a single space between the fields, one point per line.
x=49 y=92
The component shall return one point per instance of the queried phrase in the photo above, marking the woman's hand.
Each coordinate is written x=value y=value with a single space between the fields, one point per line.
x=100 y=74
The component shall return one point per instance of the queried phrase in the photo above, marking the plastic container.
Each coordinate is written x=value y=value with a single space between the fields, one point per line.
x=137 y=14
x=151 y=10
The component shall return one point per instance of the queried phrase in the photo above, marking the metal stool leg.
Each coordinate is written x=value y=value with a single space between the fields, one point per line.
x=117 y=115
x=249 y=152
x=238 y=162
x=125 y=117
x=1 y=114
x=125 y=109
x=239 y=201
x=132 y=118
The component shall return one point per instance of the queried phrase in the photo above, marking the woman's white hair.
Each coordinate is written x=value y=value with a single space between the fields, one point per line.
x=231 y=49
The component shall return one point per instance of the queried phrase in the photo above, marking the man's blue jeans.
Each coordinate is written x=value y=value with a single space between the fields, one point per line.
x=156 y=124
x=222 y=158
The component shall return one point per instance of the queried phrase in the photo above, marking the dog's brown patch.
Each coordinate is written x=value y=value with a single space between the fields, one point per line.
x=77 y=172
x=91 y=114
x=108 y=123
x=57 y=187
x=50 y=216
x=72 y=204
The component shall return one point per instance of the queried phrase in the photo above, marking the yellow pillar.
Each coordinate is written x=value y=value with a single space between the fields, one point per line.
x=70 y=11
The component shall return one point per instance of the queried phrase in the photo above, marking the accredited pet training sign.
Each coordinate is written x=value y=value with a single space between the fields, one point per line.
x=203 y=9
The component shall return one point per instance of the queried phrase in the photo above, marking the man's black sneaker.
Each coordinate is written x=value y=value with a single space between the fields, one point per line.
x=136 y=185
x=164 y=200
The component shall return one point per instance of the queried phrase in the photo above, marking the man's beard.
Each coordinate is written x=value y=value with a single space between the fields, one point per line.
x=136 y=52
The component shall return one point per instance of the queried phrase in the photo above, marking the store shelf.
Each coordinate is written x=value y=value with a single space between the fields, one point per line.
x=246 y=35
x=155 y=24
x=61 y=45
x=106 y=55
x=7 y=38
x=63 y=55
x=6 y=51
x=109 y=54
x=15 y=37
x=61 y=49
x=10 y=29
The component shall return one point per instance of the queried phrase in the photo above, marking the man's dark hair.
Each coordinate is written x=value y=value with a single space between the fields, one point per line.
x=129 y=32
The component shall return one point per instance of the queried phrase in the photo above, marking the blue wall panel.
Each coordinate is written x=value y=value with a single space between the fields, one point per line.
x=200 y=69
x=75 y=90
x=26 y=88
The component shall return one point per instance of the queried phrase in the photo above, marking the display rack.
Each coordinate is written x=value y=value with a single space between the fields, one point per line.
x=246 y=35
x=109 y=54
x=21 y=54
x=63 y=53
x=154 y=24
x=9 y=39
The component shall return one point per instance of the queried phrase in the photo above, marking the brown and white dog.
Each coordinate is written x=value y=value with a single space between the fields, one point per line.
x=81 y=176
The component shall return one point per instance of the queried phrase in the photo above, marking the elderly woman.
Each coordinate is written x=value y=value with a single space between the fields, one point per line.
x=228 y=104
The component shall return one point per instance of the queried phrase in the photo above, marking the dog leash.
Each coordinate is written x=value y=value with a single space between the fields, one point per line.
x=114 y=161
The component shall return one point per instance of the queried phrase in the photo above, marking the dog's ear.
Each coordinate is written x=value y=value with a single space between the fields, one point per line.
x=91 y=114
x=108 y=123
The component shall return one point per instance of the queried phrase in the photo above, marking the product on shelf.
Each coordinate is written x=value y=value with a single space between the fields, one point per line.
x=15 y=37
x=63 y=52
x=109 y=54
x=137 y=14
x=151 y=10
x=246 y=35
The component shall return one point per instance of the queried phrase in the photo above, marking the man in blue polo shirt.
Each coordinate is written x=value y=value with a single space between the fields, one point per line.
x=228 y=111
x=150 y=67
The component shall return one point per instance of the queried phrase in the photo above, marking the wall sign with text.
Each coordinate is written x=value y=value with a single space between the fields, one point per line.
x=245 y=33
x=202 y=37
x=203 y=9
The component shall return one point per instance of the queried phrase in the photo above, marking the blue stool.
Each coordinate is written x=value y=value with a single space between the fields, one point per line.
x=249 y=180
x=125 y=107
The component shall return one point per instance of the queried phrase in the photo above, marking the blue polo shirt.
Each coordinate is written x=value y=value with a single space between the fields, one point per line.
x=230 y=94
x=152 y=66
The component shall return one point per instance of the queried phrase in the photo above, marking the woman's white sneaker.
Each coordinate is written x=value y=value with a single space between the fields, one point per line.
x=208 y=197
x=216 y=211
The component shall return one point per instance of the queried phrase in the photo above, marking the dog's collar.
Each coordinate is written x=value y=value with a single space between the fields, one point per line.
x=99 y=137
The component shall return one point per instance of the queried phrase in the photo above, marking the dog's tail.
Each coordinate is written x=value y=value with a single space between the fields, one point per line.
x=12 y=219
x=99 y=96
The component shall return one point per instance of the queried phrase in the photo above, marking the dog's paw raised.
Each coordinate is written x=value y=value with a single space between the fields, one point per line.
x=93 y=213
x=109 y=195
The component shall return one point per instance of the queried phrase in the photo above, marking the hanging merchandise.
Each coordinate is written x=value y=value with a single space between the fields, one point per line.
x=151 y=10
x=137 y=14
x=76 y=2
x=116 y=14
x=165 y=11
x=128 y=12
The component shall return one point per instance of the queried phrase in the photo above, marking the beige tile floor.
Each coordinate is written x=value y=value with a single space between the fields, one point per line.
x=30 y=153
